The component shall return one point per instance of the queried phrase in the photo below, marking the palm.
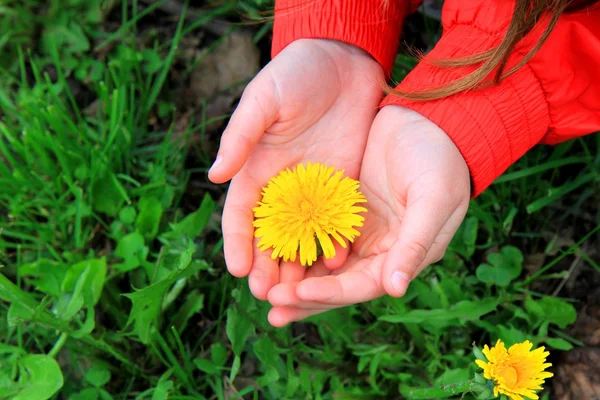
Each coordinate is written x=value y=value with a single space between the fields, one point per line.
x=314 y=102
x=409 y=180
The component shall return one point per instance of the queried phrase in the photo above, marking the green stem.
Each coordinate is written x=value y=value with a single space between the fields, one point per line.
x=58 y=345
x=570 y=250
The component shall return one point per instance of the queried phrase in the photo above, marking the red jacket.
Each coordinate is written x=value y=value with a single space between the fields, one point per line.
x=555 y=97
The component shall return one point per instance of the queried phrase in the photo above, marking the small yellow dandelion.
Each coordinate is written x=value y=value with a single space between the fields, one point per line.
x=517 y=372
x=304 y=204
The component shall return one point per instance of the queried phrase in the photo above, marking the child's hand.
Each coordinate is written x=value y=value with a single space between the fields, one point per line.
x=316 y=102
x=418 y=188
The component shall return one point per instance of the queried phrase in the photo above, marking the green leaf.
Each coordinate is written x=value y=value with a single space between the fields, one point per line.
x=485 y=394
x=77 y=297
x=147 y=301
x=127 y=215
x=194 y=303
x=86 y=394
x=218 y=354
x=106 y=196
x=238 y=329
x=511 y=335
x=132 y=250
x=48 y=275
x=452 y=376
x=193 y=224
x=557 y=311
x=559 y=344
x=93 y=283
x=503 y=267
x=206 y=366
x=148 y=220
x=235 y=368
x=462 y=311
x=480 y=378
x=17 y=314
x=436 y=393
x=88 y=326
x=40 y=376
x=98 y=375
x=161 y=392
x=266 y=352
x=479 y=354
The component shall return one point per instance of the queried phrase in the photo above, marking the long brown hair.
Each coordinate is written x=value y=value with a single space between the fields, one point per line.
x=526 y=16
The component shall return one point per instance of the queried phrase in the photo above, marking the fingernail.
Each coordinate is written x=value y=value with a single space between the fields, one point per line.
x=216 y=163
x=400 y=282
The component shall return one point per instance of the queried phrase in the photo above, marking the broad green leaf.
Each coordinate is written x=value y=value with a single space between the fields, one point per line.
x=148 y=220
x=559 y=344
x=511 y=335
x=557 y=311
x=437 y=392
x=480 y=378
x=503 y=267
x=47 y=275
x=76 y=300
x=463 y=242
x=147 y=301
x=88 y=326
x=92 y=285
x=269 y=378
x=106 y=196
x=479 y=354
x=463 y=311
x=127 y=215
x=194 y=303
x=269 y=357
x=18 y=313
x=193 y=224
x=238 y=329
x=206 y=366
x=98 y=375
x=132 y=250
x=40 y=377
x=86 y=394
x=218 y=354
x=162 y=390
x=453 y=376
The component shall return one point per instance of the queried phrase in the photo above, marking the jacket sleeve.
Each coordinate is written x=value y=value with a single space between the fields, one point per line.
x=553 y=98
x=372 y=25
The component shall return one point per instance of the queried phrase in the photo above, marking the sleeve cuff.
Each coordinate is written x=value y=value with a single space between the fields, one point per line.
x=492 y=127
x=367 y=24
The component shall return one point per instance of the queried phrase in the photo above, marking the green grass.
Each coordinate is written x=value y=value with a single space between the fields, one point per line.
x=113 y=284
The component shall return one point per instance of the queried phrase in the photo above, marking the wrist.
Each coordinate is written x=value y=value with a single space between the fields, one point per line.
x=415 y=131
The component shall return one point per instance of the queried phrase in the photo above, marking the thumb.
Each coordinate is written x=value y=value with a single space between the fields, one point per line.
x=415 y=245
x=255 y=113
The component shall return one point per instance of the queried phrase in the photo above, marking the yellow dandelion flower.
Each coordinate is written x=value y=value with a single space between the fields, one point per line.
x=304 y=204
x=517 y=372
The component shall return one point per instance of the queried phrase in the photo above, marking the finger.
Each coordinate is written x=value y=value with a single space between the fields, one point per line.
x=255 y=113
x=281 y=316
x=357 y=285
x=291 y=271
x=238 y=232
x=317 y=269
x=439 y=246
x=264 y=273
x=284 y=295
x=341 y=254
x=423 y=220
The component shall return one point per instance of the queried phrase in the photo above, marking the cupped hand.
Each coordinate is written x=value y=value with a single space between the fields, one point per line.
x=418 y=188
x=315 y=101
